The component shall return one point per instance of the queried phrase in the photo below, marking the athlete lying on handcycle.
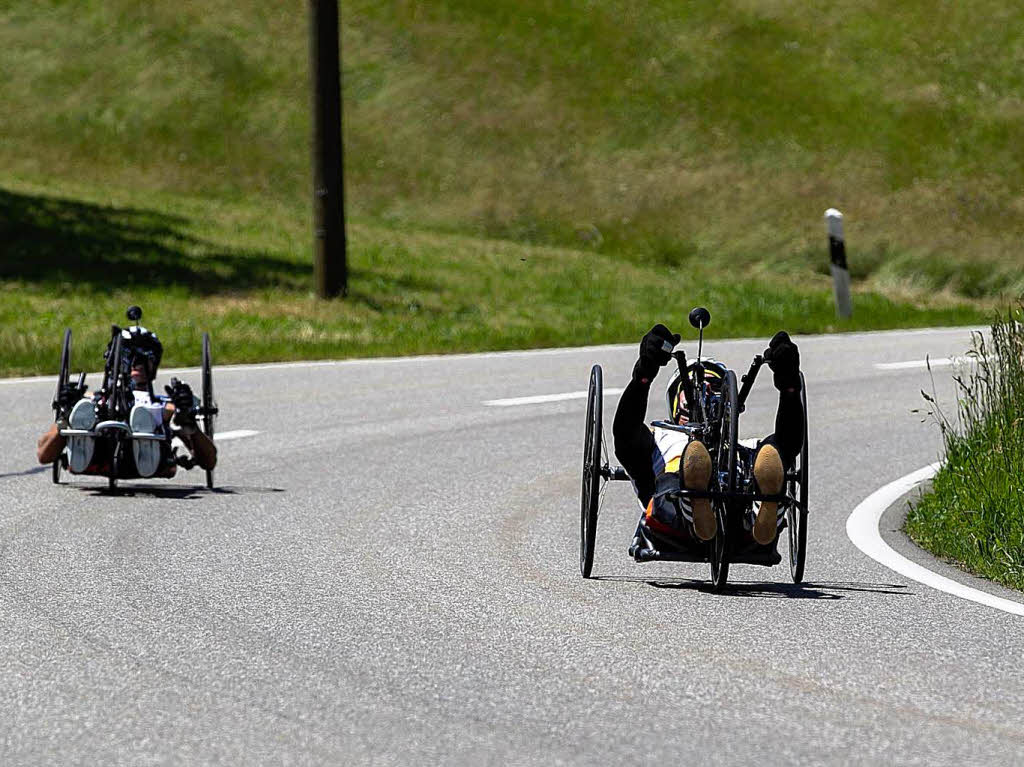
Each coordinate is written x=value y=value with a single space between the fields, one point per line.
x=653 y=456
x=153 y=420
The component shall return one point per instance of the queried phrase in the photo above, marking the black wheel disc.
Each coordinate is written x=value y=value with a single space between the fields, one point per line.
x=209 y=407
x=115 y=467
x=65 y=365
x=63 y=377
x=798 y=513
x=726 y=462
x=119 y=398
x=590 y=496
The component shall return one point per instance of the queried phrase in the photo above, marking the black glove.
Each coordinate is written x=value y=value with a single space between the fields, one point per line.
x=653 y=354
x=181 y=395
x=68 y=395
x=783 y=358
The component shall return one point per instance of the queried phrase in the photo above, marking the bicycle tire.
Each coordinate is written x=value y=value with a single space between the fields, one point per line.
x=591 y=482
x=208 y=405
x=726 y=458
x=798 y=511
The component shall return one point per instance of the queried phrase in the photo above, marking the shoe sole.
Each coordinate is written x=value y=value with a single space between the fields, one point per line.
x=80 y=449
x=145 y=452
x=769 y=475
x=697 y=476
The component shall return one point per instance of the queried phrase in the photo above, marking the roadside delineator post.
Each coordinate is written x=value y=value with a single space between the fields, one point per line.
x=837 y=255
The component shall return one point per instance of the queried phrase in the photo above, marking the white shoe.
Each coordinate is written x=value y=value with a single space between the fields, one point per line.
x=145 y=451
x=80 y=449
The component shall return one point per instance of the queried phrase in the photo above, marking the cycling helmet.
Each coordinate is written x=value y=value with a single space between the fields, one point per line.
x=142 y=347
x=714 y=375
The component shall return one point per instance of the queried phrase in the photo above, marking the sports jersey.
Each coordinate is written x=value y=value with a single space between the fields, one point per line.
x=155 y=406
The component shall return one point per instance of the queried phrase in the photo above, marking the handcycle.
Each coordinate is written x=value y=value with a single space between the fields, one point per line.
x=114 y=402
x=714 y=419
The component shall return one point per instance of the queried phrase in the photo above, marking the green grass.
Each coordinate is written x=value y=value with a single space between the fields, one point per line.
x=626 y=146
x=410 y=292
x=974 y=513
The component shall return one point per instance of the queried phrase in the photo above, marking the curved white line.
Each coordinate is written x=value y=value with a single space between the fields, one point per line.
x=862 y=529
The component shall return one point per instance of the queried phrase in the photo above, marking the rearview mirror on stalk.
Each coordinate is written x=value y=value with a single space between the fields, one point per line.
x=700 y=317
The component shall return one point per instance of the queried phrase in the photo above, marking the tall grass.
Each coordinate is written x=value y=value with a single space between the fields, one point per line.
x=663 y=132
x=975 y=511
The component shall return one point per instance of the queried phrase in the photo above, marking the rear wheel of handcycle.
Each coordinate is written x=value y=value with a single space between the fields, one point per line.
x=62 y=380
x=591 y=492
x=209 y=407
x=797 y=488
x=725 y=462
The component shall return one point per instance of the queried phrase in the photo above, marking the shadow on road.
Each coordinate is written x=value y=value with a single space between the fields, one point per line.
x=822 y=590
x=26 y=472
x=178 y=492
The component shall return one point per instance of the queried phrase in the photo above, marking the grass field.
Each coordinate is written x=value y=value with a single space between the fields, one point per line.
x=974 y=513
x=518 y=173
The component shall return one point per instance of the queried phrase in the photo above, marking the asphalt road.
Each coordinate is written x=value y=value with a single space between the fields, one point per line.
x=389 y=575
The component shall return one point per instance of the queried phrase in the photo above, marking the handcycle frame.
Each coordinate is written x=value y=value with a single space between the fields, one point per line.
x=116 y=400
x=711 y=419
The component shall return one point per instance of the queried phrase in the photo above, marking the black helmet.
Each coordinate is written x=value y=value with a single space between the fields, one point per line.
x=141 y=345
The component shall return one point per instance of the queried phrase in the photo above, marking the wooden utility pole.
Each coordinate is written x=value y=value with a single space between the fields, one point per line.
x=330 y=269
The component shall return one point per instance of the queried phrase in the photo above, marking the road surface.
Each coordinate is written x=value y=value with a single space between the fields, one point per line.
x=389 y=575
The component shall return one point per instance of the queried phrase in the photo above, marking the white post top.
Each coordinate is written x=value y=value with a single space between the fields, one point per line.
x=834 y=223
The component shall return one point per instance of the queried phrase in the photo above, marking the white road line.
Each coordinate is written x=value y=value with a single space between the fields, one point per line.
x=539 y=398
x=862 y=529
x=513 y=353
x=935 y=362
x=938 y=362
x=237 y=434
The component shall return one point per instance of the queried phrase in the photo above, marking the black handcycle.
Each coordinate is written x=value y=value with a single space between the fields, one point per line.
x=114 y=402
x=714 y=420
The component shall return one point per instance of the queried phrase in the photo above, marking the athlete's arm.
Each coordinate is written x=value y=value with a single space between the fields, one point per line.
x=783 y=358
x=634 y=443
x=49 y=446
x=179 y=411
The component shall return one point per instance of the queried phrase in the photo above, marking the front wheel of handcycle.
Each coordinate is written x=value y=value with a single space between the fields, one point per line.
x=115 y=467
x=591 y=490
x=797 y=489
x=728 y=439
